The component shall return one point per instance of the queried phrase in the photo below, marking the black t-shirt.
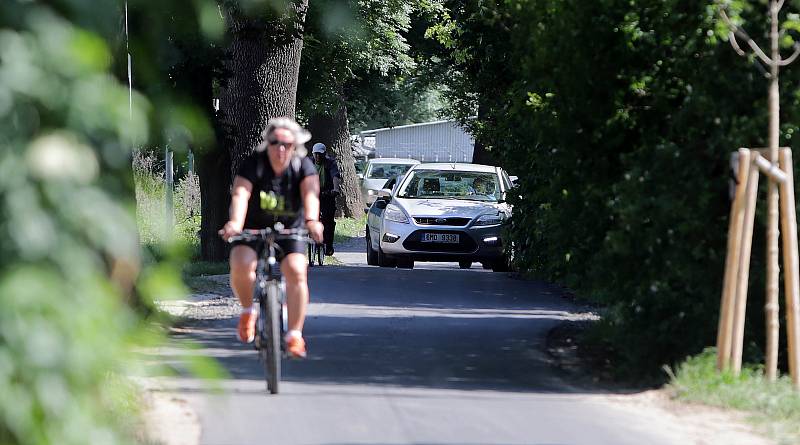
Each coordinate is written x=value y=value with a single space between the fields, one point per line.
x=275 y=199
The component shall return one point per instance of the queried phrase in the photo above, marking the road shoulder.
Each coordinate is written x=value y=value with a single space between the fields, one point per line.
x=698 y=423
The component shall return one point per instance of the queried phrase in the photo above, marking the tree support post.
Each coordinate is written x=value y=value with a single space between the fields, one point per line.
x=725 y=332
x=791 y=265
x=743 y=276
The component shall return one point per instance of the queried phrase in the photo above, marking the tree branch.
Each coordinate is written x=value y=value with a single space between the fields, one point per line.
x=735 y=44
x=743 y=35
x=762 y=69
x=785 y=62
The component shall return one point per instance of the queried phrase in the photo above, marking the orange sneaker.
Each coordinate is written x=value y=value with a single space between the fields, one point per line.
x=296 y=347
x=247 y=326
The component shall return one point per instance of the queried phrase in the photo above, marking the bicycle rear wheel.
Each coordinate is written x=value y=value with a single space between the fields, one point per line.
x=271 y=343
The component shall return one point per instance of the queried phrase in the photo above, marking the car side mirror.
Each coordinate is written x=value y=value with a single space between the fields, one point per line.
x=366 y=210
x=381 y=203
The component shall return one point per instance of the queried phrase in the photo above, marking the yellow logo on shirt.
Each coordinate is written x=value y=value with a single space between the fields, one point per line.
x=268 y=200
x=274 y=204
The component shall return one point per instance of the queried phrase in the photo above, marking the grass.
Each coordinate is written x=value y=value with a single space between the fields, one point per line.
x=200 y=268
x=773 y=408
x=347 y=228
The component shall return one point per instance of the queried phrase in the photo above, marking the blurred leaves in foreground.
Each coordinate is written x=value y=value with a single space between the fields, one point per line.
x=69 y=252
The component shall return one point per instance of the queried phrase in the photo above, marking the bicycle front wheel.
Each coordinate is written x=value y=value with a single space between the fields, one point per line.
x=271 y=344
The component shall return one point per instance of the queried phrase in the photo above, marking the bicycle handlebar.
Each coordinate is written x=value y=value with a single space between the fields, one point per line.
x=265 y=234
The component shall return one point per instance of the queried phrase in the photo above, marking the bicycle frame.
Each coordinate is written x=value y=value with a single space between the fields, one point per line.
x=269 y=292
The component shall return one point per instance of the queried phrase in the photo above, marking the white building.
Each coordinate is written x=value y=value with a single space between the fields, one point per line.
x=440 y=141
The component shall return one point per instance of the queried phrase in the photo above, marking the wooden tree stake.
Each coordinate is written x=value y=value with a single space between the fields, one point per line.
x=740 y=302
x=725 y=332
x=791 y=265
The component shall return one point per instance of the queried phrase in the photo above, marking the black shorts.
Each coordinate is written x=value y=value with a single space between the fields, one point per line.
x=283 y=247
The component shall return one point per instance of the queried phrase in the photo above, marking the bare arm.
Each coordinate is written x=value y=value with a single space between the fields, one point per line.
x=240 y=195
x=309 y=192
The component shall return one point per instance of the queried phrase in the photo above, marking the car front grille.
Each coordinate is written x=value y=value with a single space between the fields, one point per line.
x=436 y=221
x=465 y=243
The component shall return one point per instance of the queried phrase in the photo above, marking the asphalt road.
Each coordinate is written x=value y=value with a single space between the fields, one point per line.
x=434 y=355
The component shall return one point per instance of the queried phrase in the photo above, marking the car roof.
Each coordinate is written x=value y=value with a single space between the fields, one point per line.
x=460 y=166
x=393 y=161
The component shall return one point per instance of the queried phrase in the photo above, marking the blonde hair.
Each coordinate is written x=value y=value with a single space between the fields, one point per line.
x=301 y=136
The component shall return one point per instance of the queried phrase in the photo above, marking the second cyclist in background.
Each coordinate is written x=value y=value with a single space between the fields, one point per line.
x=330 y=187
x=277 y=183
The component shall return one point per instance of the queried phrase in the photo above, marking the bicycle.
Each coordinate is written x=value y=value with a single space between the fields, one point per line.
x=270 y=294
x=316 y=252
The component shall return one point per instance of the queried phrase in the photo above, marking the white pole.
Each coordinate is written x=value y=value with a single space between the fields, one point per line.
x=130 y=63
x=168 y=195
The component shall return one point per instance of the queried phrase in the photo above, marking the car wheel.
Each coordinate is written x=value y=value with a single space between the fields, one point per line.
x=405 y=264
x=500 y=265
x=372 y=255
x=465 y=264
x=383 y=260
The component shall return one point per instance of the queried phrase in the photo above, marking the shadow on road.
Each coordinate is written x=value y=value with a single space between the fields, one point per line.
x=444 y=329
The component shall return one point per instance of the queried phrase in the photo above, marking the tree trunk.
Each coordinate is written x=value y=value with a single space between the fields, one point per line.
x=264 y=63
x=481 y=154
x=334 y=132
x=215 y=197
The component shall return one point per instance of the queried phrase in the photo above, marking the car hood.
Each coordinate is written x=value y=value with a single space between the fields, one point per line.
x=374 y=184
x=450 y=207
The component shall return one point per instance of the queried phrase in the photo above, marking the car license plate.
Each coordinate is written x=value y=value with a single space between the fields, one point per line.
x=451 y=238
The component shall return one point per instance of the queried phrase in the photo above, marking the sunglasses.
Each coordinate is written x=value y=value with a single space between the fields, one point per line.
x=272 y=140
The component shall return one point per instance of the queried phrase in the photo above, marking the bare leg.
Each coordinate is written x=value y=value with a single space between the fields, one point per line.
x=295 y=271
x=243 y=263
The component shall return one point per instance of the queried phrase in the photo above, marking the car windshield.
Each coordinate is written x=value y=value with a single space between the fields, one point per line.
x=386 y=171
x=449 y=184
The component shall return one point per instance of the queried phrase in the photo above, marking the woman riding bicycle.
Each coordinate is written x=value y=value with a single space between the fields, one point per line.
x=276 y=184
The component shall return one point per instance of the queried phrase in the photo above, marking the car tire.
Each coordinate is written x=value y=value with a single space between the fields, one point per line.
x=383 y=260
x=464 y=264
x=405 y=264
x=372 y=255
x=500 y=265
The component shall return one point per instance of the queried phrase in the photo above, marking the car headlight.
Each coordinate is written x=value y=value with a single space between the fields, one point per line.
x=393 y=213
x=490 y=219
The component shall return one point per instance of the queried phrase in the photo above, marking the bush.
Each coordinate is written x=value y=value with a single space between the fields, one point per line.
x=70 y=260
x=619 y=118
x=151 y=190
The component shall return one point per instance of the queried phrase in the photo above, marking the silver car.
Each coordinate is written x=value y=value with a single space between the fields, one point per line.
x=380 y=170
x=440 y=212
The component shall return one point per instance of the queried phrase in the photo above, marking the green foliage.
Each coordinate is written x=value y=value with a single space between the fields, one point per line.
x=360 y=54
x=148 y=173
x=200 y=268
x=348 y=40
x=619 y=118
x=70 y=287
x=347 y=228
x=773 y=406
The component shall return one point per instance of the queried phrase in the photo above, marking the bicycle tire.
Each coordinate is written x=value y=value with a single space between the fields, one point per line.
x=311 y=252
x=320 y=254
x=272 y=342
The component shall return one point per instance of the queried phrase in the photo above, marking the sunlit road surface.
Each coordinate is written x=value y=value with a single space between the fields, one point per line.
x=434 y=355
